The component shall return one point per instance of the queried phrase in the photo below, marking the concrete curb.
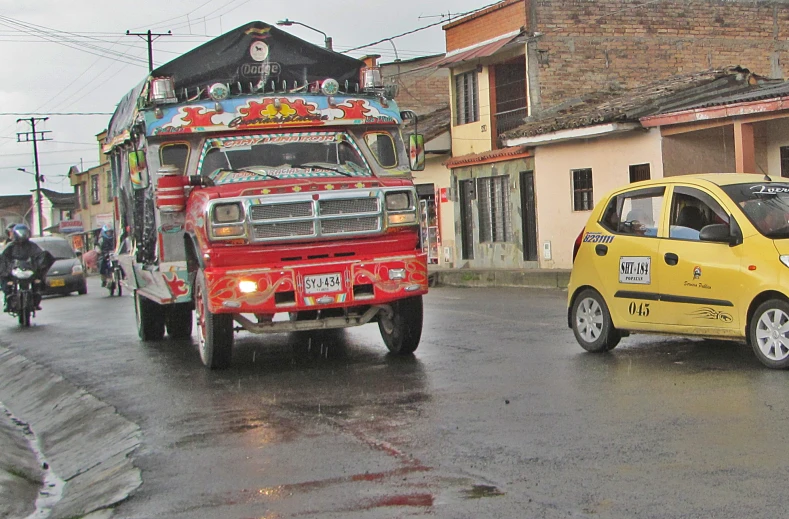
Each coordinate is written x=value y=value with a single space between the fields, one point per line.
x=502 y=278
x=86 y=442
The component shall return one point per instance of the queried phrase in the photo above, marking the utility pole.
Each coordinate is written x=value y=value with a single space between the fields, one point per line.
x=149 y=36
x=35 y=136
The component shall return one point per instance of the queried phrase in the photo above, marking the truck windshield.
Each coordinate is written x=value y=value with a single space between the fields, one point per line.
x=259 y=157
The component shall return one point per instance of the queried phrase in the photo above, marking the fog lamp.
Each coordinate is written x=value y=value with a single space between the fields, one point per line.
x=400 y=219
x=228 y=230
x=395 y=274
x=247 y=287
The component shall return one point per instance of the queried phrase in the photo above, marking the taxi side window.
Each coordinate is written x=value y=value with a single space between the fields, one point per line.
x=635 y=212
x=692 y=209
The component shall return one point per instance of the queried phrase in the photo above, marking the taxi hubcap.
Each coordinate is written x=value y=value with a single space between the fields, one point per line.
x=771 y=334
x=589 y=320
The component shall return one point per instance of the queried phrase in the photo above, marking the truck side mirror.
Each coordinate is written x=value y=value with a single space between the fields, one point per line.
x=416 y=152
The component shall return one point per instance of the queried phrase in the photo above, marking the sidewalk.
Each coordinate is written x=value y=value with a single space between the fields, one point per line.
x=539 y=278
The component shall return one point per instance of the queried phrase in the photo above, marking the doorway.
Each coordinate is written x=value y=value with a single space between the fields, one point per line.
x=467 y=194
x=528 y=216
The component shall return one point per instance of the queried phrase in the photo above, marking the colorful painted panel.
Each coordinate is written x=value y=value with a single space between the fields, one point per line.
x=250 y=113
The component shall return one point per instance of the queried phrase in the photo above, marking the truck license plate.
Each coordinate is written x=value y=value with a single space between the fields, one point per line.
x=57 y=282
x=322 y=283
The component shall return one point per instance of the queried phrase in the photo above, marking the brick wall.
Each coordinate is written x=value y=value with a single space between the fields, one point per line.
x=422 y=89
x=589 y=45
x=487 y=24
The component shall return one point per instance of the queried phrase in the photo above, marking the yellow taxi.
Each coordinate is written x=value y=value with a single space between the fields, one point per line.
x=697 y=255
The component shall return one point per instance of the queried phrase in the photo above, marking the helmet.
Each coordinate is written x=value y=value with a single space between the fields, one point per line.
x=21 y=233
x=107 y=231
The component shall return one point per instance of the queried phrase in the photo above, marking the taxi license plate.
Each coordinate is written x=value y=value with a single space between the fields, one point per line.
x=322 y=283
x=57 y=282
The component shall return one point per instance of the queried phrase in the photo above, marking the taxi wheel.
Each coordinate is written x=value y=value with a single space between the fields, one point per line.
x=769 y=333
x=592 y=323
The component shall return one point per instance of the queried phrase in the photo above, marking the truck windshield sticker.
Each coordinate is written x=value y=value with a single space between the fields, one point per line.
x=229 y=160
x=635 y=270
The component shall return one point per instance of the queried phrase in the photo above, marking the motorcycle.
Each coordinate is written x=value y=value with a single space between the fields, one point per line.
x=114 y=274
x=21 y=300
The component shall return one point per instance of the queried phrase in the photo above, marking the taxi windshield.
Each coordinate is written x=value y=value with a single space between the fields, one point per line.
x=260 y=157
x=766 y=205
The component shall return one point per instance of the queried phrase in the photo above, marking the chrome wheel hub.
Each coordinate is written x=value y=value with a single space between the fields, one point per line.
x=772 y=334
x=589 y=320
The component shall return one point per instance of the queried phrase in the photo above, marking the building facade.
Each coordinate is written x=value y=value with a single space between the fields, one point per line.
x=522 y=60
x=95 y=198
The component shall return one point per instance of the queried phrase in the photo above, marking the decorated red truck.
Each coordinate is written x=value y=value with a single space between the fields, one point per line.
x=263 y=184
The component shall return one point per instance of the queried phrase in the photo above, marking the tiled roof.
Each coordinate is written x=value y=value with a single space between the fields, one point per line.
x=7 y=201
x=487 y=157
x=61 y=200
x=432 y=124
x=680 y=92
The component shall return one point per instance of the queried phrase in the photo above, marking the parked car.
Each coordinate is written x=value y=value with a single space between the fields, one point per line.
x=696 y=255
x=66 y=274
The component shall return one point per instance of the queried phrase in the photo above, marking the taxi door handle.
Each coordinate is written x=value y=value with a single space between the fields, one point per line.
x=671 y=258
x=601 y=249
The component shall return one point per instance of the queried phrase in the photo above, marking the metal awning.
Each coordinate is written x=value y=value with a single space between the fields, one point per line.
x=479 y=51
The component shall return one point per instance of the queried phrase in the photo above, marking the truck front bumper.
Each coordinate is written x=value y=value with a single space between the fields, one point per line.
x=313 y=286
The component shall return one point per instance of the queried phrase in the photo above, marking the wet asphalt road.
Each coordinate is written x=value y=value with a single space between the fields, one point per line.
x=499 y=414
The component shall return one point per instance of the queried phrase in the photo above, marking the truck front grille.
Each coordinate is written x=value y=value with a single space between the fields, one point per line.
x=332 y=215
x=279 y=211
x=349 y=225
x=272 y=231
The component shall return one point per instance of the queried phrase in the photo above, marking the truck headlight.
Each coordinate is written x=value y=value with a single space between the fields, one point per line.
x=398 y=201
x=226 y=213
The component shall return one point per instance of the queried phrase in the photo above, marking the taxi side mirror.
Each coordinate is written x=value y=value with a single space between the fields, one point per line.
x=722 y=233
x=716 y=232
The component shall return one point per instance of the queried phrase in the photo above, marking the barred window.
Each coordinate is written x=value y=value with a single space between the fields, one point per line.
x=784 y=161
x=582 y=190
x=639 y=172
x=94 y=189
x=109 y=186
x=493 y=197
x=466 y=98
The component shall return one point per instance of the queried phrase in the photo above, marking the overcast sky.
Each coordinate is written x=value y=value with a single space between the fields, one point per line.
x=74 y=56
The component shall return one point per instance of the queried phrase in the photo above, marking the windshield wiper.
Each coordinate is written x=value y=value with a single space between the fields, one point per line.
x=269 y=175
x=327 y=168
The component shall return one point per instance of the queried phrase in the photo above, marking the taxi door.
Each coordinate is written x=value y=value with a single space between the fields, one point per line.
x=625 y=261
x=699 y=280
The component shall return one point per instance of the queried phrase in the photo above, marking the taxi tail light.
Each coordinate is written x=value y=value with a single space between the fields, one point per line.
x=577 y=244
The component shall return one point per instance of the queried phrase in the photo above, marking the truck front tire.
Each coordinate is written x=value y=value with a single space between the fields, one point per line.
x=214 y=331
x=402 y=329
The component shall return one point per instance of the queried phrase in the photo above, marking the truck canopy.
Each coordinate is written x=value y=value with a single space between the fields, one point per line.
x=245 y=59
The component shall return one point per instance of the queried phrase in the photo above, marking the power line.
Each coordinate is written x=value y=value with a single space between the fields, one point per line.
x=412 y=31
x=56 y=113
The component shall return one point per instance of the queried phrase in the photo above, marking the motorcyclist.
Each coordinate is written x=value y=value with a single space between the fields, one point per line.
x=106 y=245
x=21 y=248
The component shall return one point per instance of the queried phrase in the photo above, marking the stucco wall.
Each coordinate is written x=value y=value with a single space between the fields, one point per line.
x=504 y=255
x=705 y=151
x=472 y=137
x=774 y=134
x=610 y=159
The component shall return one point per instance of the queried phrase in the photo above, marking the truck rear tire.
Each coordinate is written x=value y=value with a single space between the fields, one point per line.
x=214 y=331
x=179 y=321
x=150 y=318
x=402 y=330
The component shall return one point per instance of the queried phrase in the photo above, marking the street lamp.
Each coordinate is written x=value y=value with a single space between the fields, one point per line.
x=39 y=179
x=326 y=39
